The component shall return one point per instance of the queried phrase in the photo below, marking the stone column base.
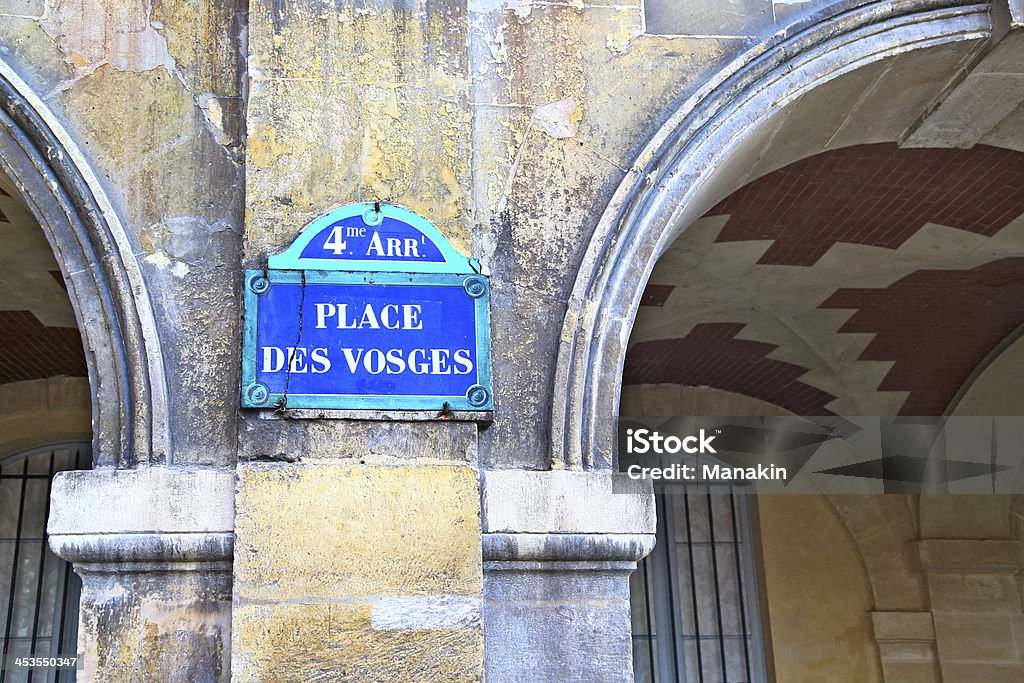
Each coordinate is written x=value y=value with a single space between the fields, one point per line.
x=558 y=551
x=154 y=548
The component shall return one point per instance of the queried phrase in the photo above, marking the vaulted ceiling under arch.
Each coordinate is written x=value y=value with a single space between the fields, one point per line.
x=867 y=280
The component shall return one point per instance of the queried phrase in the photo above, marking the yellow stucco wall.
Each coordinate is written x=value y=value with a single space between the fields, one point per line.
x=817 y=591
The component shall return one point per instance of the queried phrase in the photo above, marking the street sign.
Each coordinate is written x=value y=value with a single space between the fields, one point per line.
x=370 y=308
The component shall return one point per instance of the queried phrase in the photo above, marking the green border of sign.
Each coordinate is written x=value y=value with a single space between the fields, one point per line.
x=478 y=397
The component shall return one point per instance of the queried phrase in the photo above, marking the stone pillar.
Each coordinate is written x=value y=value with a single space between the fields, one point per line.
x=906 y=646
x=558 y=551
x=358 y=534
x=153 y=547
x=975 y=593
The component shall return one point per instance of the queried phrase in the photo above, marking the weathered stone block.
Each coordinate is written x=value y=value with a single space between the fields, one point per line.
x=564 y=502
x=907 y=652
x=539 y=629
x=994 y=593
x=22 y=8
x=990 y=673
x=337 y=642
x=321 y=531
x=310 y=439
x=27 y=44
x=148 y=500
x=143 y=627
x=975 y=637
x=354 y=572
x=731 y=17
x=378 y=96
x=971 y=555
x=966 y=517
x=903 y=626
x=911 y=672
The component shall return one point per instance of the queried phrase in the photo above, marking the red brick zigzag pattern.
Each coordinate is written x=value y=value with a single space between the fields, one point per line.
x=34 y=351
x=878 y=195
x=938 y=325
x=710 y=355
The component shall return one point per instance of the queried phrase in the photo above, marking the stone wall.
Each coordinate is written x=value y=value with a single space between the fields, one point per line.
x=152 y=92
x=217 y=130
x=361 y=564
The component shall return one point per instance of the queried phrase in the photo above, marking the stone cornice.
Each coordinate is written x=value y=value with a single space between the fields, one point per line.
x=155 y=518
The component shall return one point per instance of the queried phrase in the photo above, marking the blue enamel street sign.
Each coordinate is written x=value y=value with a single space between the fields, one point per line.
x=370 y=308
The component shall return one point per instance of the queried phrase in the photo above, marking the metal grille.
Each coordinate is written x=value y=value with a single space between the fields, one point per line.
x=694 y=598
x=38 y=591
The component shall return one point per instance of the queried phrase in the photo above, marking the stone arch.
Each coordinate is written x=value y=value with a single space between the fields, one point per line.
x=985 y=391
x=105 y=283
x=693 y=161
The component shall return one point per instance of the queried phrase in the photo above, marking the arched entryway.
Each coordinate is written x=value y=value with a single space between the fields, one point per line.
x=868 y=280
x=804 y=91
x=98 y=266
x=816 y=93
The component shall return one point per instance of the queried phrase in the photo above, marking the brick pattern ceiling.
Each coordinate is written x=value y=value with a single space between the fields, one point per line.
x=33 y=351
x=879 y=195
x=869 y=280
x=937 y=325
x=38 y=334
x=718 y=359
